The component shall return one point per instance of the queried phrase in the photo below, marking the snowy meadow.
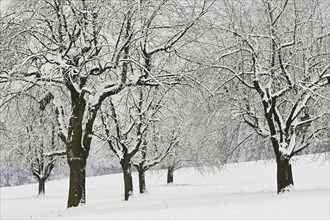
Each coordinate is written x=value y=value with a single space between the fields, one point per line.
x=238 y=191
x=97 y=87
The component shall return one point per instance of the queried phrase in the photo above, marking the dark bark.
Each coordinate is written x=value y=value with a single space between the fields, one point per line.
x=41 y=188
x=170 y=173
x=42 y=172
x=128 y=182
x=284 y=175
x=41 y=183
x=77 y=193
x=142 y=181
x=284 y=170
x=76 y=153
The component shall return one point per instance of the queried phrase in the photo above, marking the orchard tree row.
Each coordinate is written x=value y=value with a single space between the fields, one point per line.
x=170 y=83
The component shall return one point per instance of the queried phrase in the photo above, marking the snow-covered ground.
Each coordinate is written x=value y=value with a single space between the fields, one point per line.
x=239 y=191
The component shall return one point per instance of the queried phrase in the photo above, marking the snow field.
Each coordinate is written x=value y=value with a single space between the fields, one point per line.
x=238 y=191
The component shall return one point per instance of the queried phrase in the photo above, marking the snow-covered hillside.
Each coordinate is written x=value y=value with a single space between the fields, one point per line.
x=239 y=191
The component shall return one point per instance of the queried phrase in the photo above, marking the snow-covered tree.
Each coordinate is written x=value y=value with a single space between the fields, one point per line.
x=156 y=145
x=30 y=136
x=125 y=128
x=83 y=52
x=279 y=53
x=177 y=158
x=173 y=135
x=125 y=137
x=151 y=154
x=39 y=154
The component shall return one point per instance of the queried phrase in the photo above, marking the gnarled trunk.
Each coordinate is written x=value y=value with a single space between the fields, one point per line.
x=128 y=182
x=284 y=175
x=170 y=173
x=77 y=192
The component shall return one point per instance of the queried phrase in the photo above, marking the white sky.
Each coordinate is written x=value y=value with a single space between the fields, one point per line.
x=3 y=4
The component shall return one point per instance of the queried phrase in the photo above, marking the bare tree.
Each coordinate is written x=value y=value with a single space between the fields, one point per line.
x=67 y=53
x=85 y=51
x=36 y=156
x=173 y=135
x=155 y=148
x=281 y=57
x=31 y=138
x=127 y=135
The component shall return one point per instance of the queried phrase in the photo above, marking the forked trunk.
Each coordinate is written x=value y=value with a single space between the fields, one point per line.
x=77 y=192
x=142 y=181
x=284 y=175
x=41 y=188
x=170 y=173
x=128 y=182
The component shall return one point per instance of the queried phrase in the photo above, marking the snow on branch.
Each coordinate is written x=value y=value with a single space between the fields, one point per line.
x=59 y=111
x=159 y=158
x=177 y=36
x=55 y=153
x=297 y=108
x=280 y=92
x=279 y=120
x=105 y=89
x=256 y=126
x=301 y=105
x=228 y=54
x=137 y=79
x=199 y=83
x=306 y=121
x=287 y=149
x=235 y=74
x=319 y=82
x=326 y=74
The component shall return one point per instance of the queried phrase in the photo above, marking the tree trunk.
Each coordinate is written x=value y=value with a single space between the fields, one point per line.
x=77 y=193
x=78 y=149
x=142 y=181
x=41 y=182
x=128 y=182
x=7 y=180
x=170 y=172
x=284 y=175
x=41 y=188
